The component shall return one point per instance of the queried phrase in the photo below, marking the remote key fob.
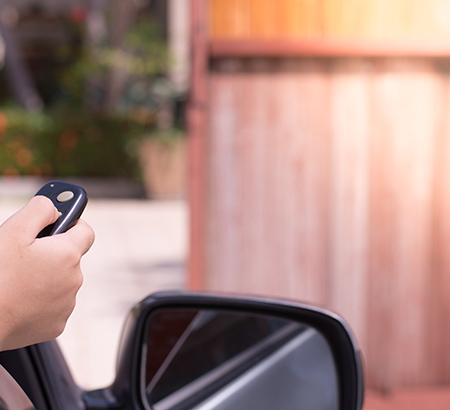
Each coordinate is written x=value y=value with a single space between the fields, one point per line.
x=69 y=199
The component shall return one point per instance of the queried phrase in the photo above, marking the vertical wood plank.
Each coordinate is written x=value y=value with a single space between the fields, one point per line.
x=219 y=18
x=229 y=18
x=262 y=22
x=402 y=145
x=295 y=20
x=349 y=222
x=331 y=16
x=439 y=319
x=306 y=210
x=255 y=134
x=222 y=211
x=436 y=23
x=241 y=17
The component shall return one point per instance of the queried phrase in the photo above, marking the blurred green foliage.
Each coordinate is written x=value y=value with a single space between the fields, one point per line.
x=145 y=52
x=63 y=143
x=143 y=60
x=73 y=137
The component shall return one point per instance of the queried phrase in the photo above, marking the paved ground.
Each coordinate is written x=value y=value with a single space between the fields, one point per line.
x=420 y=399
x=140 y=248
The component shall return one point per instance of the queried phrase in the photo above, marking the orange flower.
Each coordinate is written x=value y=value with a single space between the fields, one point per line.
x=46 y=170
x=24 y=157
x=68 y=140
x=11 y=172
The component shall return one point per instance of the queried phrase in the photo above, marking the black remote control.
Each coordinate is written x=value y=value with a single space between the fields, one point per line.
x=69 y=199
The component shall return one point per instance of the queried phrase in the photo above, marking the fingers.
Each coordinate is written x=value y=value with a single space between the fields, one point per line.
x=33 y=217
x=81 y=234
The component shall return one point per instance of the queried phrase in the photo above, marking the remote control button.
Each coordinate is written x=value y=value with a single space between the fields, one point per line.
x=65 y=196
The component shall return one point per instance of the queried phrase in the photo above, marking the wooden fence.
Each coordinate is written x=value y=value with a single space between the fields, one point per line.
x=327 y=180
x=312 y=19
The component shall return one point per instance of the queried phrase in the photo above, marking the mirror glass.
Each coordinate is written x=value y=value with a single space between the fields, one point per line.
x=210 y=359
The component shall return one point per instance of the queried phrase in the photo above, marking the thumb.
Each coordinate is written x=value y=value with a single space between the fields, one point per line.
x=33 y=217
x=82 y=235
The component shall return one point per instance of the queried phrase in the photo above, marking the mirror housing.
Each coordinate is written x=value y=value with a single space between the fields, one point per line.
x=128 y=389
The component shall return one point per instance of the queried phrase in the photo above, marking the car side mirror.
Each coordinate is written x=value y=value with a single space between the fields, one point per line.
x=184 y=350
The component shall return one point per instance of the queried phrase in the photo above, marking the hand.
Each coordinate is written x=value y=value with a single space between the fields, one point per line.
x=39 y=278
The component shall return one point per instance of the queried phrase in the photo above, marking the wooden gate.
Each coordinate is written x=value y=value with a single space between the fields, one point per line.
x=326 y=178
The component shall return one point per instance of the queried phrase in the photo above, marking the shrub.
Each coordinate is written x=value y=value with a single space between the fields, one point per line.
x=64 y=143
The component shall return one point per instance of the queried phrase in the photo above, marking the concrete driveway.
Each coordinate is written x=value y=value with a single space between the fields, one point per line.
x=432 y=398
